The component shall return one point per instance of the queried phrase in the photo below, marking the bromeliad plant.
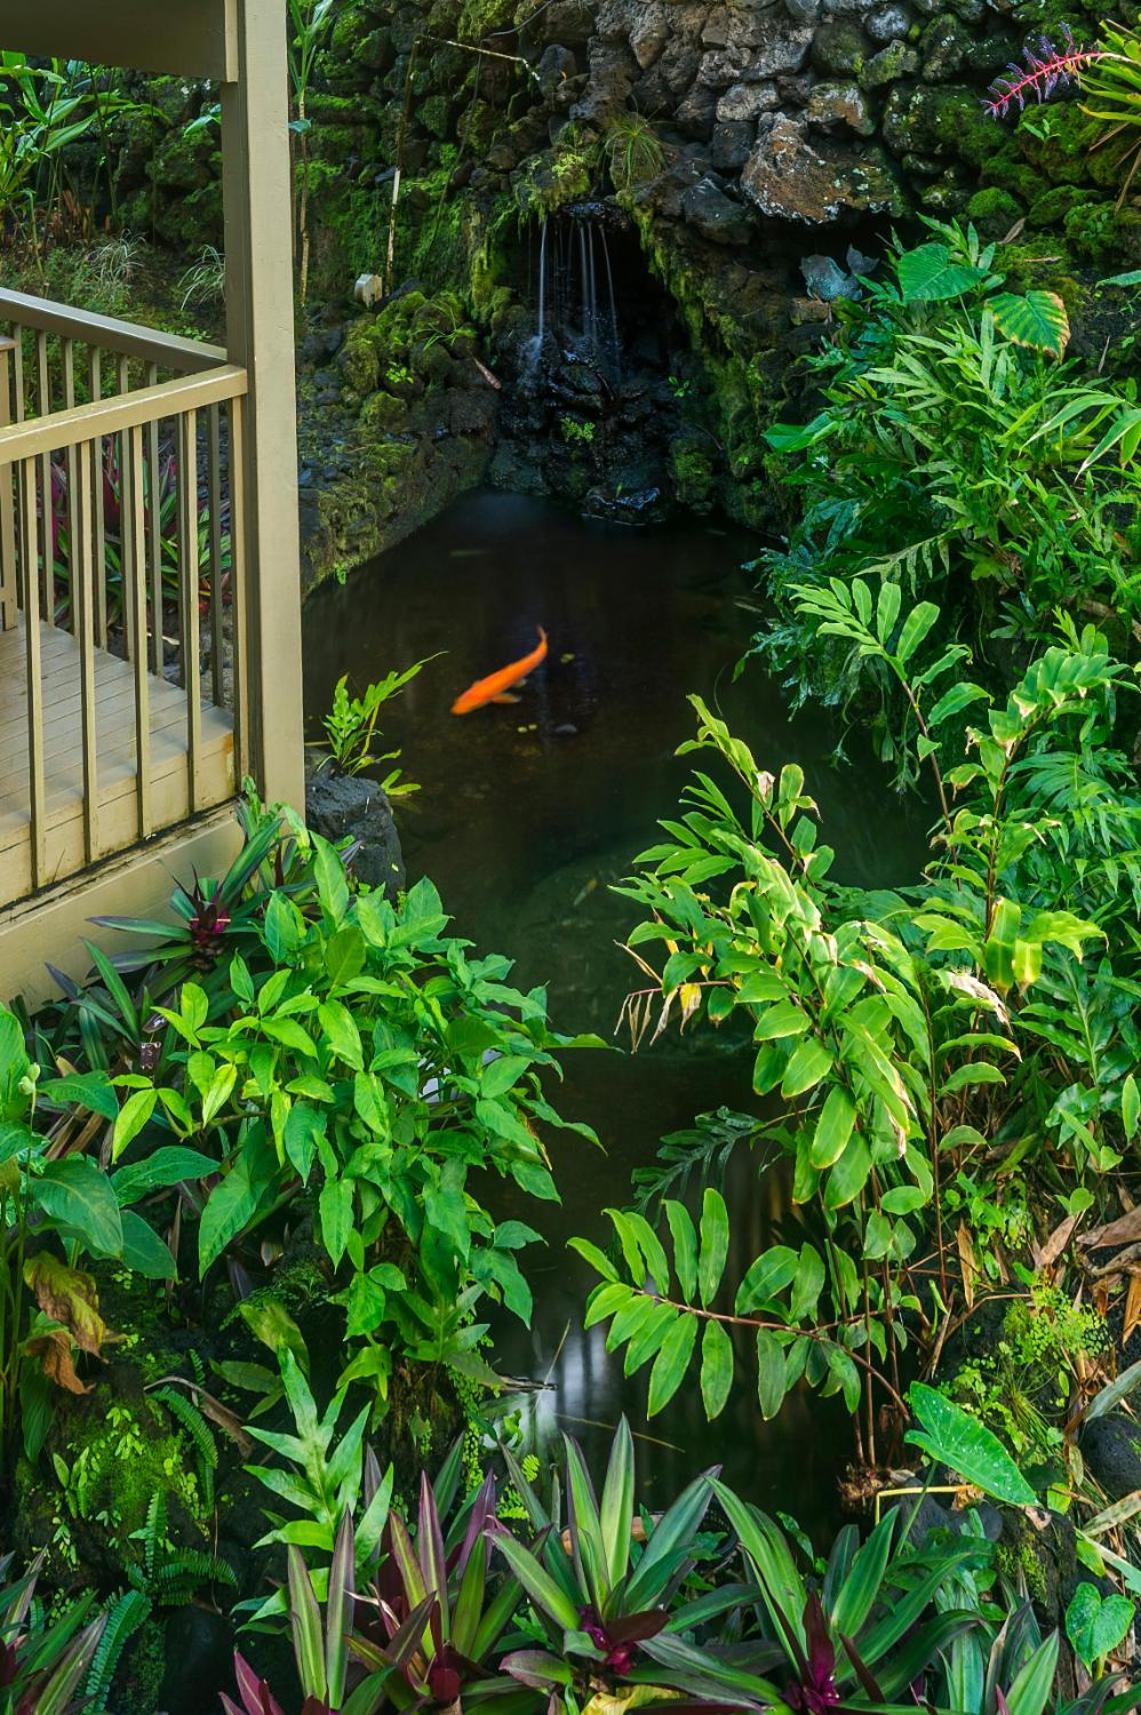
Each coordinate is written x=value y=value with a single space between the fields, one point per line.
x=439 y=1619
x=610 y=1592
x=977 y=1035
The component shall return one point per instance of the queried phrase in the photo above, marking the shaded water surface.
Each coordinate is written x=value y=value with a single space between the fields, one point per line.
x=528 y=813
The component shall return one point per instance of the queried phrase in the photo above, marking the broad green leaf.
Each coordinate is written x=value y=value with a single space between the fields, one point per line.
x=930 y=273
x=143 y=1251
x=810 y=1062
x=767 y=1276
x=771 y=1386
x=685 y=1247
x=716 y=1368
x=714 y=1244
x=1130 y=1107
x=133 y=1116
x=1096 y=1624
x=833 y=1128
x=915 y=628
x=954 y=1438
x=671 y=1363
x=172 y=1165
x=1039 y=320
x=77 y=1198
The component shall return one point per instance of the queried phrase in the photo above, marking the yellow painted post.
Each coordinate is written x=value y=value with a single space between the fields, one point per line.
x=260 y=337
x=7 y=499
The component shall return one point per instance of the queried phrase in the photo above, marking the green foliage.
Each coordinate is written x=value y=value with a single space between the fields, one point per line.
x=613 y=1610
x=976 y=1031
x=634 y=151
x=1020 y=1383
x=1111 y=85
x=125 y=1616
x=350 y=728
x=327 y=1480
x=43 y=1665
x=56 y=1209
x=957 y=458
x=346 y=1056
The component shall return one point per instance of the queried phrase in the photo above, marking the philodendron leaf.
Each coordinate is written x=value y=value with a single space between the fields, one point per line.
x=930 y=274
x=954 y=1438
x=1096 y=1624
x=1039 y=320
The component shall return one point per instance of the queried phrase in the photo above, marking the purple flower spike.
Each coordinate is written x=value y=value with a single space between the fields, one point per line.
x=1046 y=69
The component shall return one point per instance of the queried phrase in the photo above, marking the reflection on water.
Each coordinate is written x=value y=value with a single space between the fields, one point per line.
x=528 y=813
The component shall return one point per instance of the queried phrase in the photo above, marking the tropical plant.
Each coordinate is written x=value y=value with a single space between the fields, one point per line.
x=918 y=1041
x=309 y=24
x=345 y=1057
x=43 y=1666
x=350 y=728
x=634 y=151
x=1111 y=85
x=610 y=1591
x=57 y=1207
x=438 y=1625
x=869 y=1633
x=957 y=455
x=320 y=1631
x=326 y=1483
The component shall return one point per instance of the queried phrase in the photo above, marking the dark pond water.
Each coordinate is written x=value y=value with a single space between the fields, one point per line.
x=529 y=812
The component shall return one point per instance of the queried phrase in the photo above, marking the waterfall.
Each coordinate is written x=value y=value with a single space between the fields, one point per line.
x=615 y=335
x=576 y=304
x=542 y=288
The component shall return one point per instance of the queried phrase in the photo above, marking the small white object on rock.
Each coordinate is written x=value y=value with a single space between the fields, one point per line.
x=369 y=290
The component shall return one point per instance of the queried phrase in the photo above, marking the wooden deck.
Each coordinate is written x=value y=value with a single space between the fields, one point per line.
x=173 y=797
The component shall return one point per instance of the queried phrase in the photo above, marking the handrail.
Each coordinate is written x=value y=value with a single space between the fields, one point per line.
x=83 y=423
x=129 y=339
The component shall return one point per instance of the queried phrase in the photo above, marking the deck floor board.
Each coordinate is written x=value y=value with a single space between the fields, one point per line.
x=117 y=815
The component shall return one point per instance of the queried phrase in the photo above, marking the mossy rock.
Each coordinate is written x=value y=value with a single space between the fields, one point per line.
x=384 y=414
x=1057 y=139
x=88 y=1499
x=994 y=211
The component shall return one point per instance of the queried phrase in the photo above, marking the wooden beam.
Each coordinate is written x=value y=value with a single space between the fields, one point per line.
x=260 y=338
x=187 y=38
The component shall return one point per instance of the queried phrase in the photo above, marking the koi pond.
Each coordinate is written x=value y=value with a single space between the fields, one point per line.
x=527 y=815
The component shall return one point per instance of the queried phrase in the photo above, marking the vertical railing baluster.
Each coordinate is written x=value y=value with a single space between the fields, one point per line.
x=134 y=539
x=190 y=676
x=75 y=502
x=99 y=517
x=154 y=503
x=83 y=616
x=8 y=581
x=239 y=627
x=217 y=592
x=47 y=495
x=34 y=692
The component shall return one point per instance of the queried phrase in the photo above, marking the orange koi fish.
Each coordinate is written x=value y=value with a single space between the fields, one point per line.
x=495 y=687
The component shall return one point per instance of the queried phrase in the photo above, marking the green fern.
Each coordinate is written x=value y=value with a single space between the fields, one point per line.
x=181 y=1576
x=192 y=1421
x=128 y=1613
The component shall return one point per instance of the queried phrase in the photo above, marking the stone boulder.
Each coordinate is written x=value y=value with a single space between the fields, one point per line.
x=792 y=177
x=349 y=806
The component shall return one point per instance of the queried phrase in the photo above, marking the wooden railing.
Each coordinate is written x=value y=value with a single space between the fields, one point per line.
x=122 y=585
